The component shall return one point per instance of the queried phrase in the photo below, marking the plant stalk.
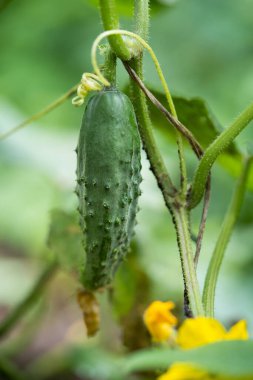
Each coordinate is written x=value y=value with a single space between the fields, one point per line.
x=141 y=16
x=145 y=127
x=110 y=21
x=223 y=239
x=178 y=212
x=109 y=67
x=181 y=221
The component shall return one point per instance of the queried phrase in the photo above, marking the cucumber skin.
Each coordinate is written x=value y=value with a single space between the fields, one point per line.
x=108 y=179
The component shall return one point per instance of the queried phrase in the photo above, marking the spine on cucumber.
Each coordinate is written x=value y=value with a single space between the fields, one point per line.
x=108 y=179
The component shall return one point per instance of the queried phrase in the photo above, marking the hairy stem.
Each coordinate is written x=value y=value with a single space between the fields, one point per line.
x=171 y=119
x=110 y=21
x=141 y=26
x=145 y=127
x=192 y=291
x=141 y=16
x=165 y=184
x=31 y=297
x=223 y=239
x=109 y=67
x=213 y=151
x=203 y=220
x=41 y=113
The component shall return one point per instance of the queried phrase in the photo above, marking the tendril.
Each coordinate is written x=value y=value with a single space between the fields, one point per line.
x=136 y=49
x=89 y=82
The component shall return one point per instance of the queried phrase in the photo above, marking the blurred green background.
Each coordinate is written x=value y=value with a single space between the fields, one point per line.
x=206 y=50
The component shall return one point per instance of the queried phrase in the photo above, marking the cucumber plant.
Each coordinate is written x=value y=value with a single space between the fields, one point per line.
x=108 y=170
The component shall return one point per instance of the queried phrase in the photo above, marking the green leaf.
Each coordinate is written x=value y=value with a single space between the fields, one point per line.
x=95 y=363
x=65 y=240
x=195 y=114
x=229 y=358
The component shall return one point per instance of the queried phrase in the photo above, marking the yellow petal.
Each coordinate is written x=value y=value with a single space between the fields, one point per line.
x=184 y=371
x=159 y=320
x=238 y=331
x=160 y=332
x=195 y=332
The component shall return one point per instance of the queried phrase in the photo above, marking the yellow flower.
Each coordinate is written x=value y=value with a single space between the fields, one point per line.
x=238 y=331
x=159 y=320
x=199 y=331
x=184 y=371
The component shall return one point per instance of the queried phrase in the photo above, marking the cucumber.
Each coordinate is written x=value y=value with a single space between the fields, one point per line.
x=108 y=180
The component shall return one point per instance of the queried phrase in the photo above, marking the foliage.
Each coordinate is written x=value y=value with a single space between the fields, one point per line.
x=37 y=172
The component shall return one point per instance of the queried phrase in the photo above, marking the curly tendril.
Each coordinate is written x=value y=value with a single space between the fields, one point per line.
x=136 y=48
x=95 y=82
x=89 y=82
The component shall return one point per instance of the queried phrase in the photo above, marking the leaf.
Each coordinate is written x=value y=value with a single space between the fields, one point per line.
x=195 y=114
x=230 y=358
x=65 y=239
x=95 y=363
x=227 y=359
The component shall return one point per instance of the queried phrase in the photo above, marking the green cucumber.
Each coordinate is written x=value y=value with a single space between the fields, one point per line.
x=108 y=179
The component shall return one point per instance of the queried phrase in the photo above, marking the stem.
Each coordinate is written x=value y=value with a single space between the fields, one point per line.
x=41 y=113
x=186 y=255
x=145 y=127
x=223 y=239
x=203 y=220
x=141 y=16
x=31 y=297
x=164 y=183
x=110 y=21
x=213 y=151
x=141 y=13
x=171 y=119
x=109 y=68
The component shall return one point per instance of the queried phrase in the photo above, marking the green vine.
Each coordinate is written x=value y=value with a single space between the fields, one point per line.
x=223 y=239
x=141 y=18
x=110 y=21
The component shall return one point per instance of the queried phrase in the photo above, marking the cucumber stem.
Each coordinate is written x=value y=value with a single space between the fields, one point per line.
x=109 y=68
x=141 y=18
x=192 y=292
x=110 y=21
x=157 y=164
x=223 y=239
